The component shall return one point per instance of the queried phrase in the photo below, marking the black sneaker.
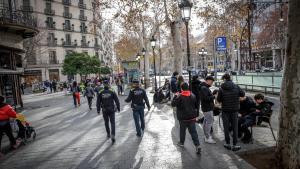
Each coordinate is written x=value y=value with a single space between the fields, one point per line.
x=198 y=150
x=236 y=148
x=180 y=144
x=227 y=146
x=113 y=140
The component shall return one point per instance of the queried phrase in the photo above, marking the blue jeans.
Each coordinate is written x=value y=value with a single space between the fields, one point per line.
x=192 y=130
x=138 y=115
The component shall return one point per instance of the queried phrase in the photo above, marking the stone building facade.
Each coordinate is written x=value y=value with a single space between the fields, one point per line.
x=65 y=26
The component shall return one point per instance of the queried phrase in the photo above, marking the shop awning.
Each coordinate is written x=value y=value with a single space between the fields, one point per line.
x=10 y=72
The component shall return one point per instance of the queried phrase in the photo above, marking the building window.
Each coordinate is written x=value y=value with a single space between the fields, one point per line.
x=82 y=12
x=52 y=57
x=68 y=39
x=48 y=6
x=52 y=41
x=67 y=25
x=83 y=27
x=50 y=23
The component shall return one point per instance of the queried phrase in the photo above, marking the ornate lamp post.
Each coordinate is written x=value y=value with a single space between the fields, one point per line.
x=202 y=52
x=144 y=54
x=153 y=44
x=185 y=7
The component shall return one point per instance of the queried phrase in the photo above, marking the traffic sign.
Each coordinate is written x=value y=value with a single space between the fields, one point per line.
x=221 y=44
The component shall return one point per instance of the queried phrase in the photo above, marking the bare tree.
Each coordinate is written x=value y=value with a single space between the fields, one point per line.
x=288 y=149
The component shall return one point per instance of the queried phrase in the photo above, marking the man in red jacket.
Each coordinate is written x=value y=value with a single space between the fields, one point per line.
x=7 y=112
x=186 y=105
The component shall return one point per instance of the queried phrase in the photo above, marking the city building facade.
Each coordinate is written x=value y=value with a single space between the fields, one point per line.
x=65 y=26
x=15 y=26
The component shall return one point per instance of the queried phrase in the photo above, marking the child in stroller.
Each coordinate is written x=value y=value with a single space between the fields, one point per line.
x=25 y=131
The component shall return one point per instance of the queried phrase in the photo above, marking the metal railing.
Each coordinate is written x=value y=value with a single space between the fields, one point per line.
x=48 y=11
x=66 y=2
x=81 y=5
x=52 y=43
x=67 y=15
x=17 y=17
x=256 y=88
x=82 y=17
x=26 y=8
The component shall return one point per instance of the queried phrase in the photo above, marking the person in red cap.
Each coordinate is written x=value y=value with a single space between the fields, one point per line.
x=7 y=112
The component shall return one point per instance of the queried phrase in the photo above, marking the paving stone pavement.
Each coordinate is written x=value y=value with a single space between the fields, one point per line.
x=75 y=138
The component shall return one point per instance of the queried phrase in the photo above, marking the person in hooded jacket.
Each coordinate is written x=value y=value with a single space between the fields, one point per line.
x=196 y=88
x=174 y=83
x=229 y=96
x=7 y=112
x=207 y=106
x=186 y=111
x=109 y=102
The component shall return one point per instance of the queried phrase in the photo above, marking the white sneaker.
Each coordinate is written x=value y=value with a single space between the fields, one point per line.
x=210 y=140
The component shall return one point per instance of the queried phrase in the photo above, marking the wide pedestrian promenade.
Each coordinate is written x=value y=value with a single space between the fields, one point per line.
x=75 y=138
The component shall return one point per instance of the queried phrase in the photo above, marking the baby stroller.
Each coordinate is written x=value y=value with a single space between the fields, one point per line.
x=23 y=129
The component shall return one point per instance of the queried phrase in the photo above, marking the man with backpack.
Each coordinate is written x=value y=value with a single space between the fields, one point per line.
x=109 y=102
x=186 y=105
x=229 y=96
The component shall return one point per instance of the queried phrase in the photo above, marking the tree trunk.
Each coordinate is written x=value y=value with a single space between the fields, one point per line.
x=288 y=150
x=176 y=39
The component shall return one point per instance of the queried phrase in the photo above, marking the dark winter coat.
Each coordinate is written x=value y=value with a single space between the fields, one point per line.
x=174 y=84
x=229 y=95
x=138 y=98
x=247 y=106
x=186 y=105
x=207 y=98
x=108 y=101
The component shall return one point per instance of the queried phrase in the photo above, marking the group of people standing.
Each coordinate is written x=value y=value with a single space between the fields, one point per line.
x=229 y=100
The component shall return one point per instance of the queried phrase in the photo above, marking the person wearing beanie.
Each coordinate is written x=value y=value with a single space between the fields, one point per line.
x=108 y=101
x=138 y=98
x=186 y=111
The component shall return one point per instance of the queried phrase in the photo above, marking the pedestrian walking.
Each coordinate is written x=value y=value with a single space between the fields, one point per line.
x=229 y=96
x=7 y=112
x=75 y=89
x=180 y=80
x=207 y=106
x=138 y=98
x=186 y=105
x=174 y=83
x=196 y=87
x=89 y=94
x=65 y=87
x=108 y=101
x=54 y=85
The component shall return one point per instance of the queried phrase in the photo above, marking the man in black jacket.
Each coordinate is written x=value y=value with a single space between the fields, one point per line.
x=207 y=106
x=109 y=102
x=229 y=95
x=196 y=87
x=138 y=98
x=186 y=114
x=174 y=83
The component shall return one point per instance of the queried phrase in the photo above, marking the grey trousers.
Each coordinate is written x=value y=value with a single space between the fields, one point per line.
x=208 y=123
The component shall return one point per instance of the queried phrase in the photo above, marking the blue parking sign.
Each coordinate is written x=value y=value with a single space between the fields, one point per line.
x=221 y=44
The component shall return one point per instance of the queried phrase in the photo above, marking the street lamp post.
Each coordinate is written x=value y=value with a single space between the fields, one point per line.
x=202 y=53
x=144 y=54
x=153 y=44
x=185 y=7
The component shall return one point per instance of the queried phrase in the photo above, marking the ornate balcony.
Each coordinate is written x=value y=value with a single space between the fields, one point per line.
x=49 y=11
x=67 y=15
x=66 y=2
x=18 y=22
x=81 y=5
x=82 y=17
x=26 y=8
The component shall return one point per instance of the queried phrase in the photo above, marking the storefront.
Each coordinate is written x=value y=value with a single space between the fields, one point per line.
x=32 y=76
